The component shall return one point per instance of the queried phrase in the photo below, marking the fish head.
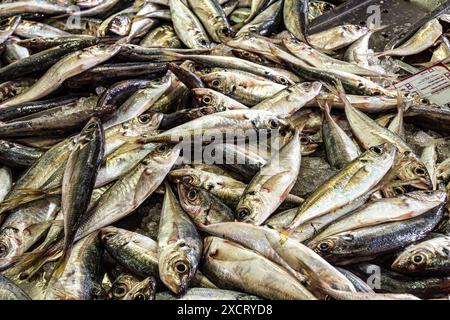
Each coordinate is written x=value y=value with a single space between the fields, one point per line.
x=413 y=171
x=187 y=176
x=193 y=201
x=142 y=291
x=113 y=237
x=121 y=286
x=251 y=208
x=218 y=81
x=9 y=247
x=383 y=155
x=438 y=197
x=206 y=97
x=177 y=266
x=196 y=68
x=413 y=260
x=324 y=247
x=224 y=32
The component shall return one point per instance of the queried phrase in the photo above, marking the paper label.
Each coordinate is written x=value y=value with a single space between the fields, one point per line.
x=432 y=84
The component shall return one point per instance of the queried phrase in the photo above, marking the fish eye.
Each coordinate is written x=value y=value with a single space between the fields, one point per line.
x=377 y=150
x=407 y=153
x=284 y=81
x=206 y=99
x=226 y=31
x=419 y=259
x=162 y=148
x=203 y=42
x=192 y=194
x=120 y=291
x=419 y=171
x=274 y=124
x=107 y=236
x=324 y=246
x=242 y=213
x=425 y=101
x=399 y=191
x=139 y=297
x=215 y=83
x=144 y=119
x=181 y=267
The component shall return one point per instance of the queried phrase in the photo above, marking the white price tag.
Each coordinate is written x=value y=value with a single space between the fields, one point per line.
x=432 y=84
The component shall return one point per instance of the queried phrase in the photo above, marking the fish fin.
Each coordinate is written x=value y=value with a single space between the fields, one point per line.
x=39 y=228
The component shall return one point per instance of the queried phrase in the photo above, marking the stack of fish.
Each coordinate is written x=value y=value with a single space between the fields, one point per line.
x=100 y=104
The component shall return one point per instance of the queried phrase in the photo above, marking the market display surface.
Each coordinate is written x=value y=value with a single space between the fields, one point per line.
x=221 y=150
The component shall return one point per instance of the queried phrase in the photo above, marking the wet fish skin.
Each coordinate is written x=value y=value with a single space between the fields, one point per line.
x=79 y=180
x=269 y=188
x=17 y=155
x=190 y=79
x=384 y=210
x=35 y=6
x=234 y=267
x=66 y=68
x=242 y=86
x=429 y=257
x=10 y=291
x=179 y=245
x=339 y=147
x=367 y=243
x=42 y=60
x=81 y=279
x=163 y=36
x=355 y=180
x=203 y=207
x=422 y=40
x=296 y=18
x=131 y=190
x=213 y=18
x=264 y=22
x=337 y=38
x=139 y=253
x=187 y=26
x=33 y=29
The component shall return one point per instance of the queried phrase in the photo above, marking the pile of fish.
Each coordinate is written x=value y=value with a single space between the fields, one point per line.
x=344 y=195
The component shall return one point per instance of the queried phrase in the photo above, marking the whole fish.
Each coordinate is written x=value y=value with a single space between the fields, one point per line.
x=34 y=6
x=245 y=87
x=179 y=245
x=366 y=243
x=265 y=22
x=79 y=181
x=386 y=210
x=206 y=294
x=162 y=36
x=337 y=37
x=234 y=267
x=429 y=257
x=352 y=182
x=67 y=67
x=421 y=41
